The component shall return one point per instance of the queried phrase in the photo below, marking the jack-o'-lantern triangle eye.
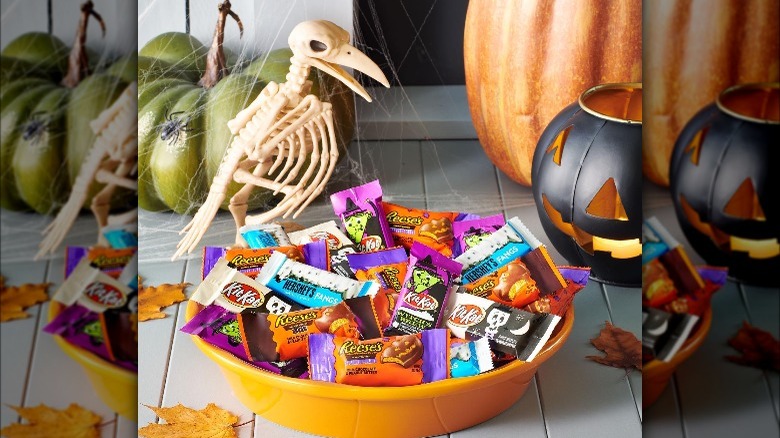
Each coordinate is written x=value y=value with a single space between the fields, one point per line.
x=694 y=147
x=744 y=203
x=557 y=145
x=607 y=204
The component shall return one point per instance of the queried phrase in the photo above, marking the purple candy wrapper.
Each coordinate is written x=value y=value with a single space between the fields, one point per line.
x=469 y=233
x=360 y=210
x=219 y=327
x=423 y=297
x=73 y=255
x=387 y=365
x=81 y=327
x=367 y=260
x=317 y=255
x=211 y=255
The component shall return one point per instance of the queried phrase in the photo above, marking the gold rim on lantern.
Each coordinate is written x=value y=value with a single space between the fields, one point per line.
x=618 y=102
x=753 y=102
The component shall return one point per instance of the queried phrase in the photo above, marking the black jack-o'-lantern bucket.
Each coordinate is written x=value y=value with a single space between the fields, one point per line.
x=724 y=176
x=587 y=182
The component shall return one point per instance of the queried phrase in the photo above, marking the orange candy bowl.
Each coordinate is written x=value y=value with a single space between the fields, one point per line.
x=656 y=374
x=114 y=385
x=324 y=408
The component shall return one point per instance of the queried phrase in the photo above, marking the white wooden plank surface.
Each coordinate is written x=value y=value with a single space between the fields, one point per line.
x=17 y=339
x=625 y=310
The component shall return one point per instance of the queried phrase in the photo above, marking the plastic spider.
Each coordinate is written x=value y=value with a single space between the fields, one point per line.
x=173 y=126
x=36 y=125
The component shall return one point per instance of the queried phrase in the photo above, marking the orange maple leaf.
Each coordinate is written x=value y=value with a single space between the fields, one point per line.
x=72 y=422
x=758 y=347
x=152 y=299
x=15 y=299
x=181 y=421
x=623 y=349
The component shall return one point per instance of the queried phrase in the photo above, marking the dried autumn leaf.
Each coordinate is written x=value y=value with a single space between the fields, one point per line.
x=151 y=299
x=623 y=349
x=181 y=421
x=758 y=347
x=43 y=421
x=15 y=299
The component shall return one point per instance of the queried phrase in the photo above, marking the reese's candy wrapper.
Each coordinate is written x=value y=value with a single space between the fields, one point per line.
x=360 y=210
x=339 y=245
x=664 y=333
x=429 y=279
x=559 y=301
x=234 y=291
x=219 y=327
x=469 y=358
x=93 y=289
x=698 y=302
x=269 y=337
x=264 y=235
x=387 y=267
x=309 y=286
x=409 y=225
x=657 y=287
x=81 y=327
x=509 y=330
x=469 y=233
x=248 y=261
x=109 y=260
x=390 y=361
x=121 y=236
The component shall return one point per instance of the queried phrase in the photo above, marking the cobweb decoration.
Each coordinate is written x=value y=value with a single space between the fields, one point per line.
x=441 y=165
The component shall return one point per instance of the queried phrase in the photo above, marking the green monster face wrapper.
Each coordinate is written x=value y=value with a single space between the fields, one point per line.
x=423 y=280
x=232 y=331
x=94 y=331
x=356 y=225
x=473 y=240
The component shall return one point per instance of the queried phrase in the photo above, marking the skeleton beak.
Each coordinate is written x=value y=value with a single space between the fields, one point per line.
x=349 y=56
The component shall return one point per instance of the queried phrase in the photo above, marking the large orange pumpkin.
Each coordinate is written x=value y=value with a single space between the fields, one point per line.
x=693 y=51
x=525 y=61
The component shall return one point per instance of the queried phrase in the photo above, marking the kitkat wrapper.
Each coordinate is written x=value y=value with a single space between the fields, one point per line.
x=389 y=361
x=109 y=260
x=387 y=267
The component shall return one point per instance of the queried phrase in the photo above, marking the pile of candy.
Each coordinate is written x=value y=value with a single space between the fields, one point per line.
x=674 y=293
x=402 y=297
x=100 y=295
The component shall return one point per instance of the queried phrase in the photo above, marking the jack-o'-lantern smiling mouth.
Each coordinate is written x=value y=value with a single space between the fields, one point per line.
x=619 y=249
x=756 y=248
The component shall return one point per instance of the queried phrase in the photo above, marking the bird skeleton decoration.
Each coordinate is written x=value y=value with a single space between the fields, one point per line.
x=112 y=159
x=284 y=127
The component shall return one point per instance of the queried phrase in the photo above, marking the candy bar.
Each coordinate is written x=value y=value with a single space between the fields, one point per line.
x=510 y=330
x=360 y=210
x=248 y=261
x=232 y=290
x=469 y=233
x=339 y=245
x=264 y=235
x=121 y=236
x=120 y=339
x=389 y=361
x=219 y=327
x=309 y=286
x=423 y=297
x=93 y=289
x=664 y=333
x=686 y=279
x=558 y=302
x=109 y=260
x=269 y=337
x=508 y=243
x=469 y=358
x=540 y=266
x=410 y=225
x=386 y=267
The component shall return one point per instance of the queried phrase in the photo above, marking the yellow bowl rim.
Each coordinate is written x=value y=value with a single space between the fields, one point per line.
x=228 y=362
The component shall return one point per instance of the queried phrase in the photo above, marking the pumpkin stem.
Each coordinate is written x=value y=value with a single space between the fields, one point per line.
x=216 y=67
x=78 y=62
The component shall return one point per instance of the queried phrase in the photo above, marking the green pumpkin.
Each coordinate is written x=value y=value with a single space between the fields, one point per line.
x=45 y=133
x=176 y=166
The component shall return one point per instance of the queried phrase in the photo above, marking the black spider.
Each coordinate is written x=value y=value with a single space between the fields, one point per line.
x=36 y=125
x=173 y=126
